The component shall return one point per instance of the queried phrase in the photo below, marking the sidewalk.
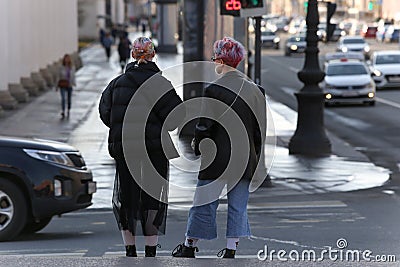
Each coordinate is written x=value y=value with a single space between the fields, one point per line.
x=345 y=170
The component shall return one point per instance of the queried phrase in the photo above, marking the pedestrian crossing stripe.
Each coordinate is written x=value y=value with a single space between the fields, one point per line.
x=298 y=205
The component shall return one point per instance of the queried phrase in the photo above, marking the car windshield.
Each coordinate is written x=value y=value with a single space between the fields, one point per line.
x=353 y=41
x=387 y=59
x=348 y=69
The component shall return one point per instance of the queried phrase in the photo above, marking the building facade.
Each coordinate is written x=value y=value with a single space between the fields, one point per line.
x=35 y=36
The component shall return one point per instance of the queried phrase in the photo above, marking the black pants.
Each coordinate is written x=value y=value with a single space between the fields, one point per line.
x=66 y=94
x=108 y=52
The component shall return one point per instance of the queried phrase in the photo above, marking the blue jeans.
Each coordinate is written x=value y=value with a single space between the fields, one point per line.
x=66 y=93
x=202 y=219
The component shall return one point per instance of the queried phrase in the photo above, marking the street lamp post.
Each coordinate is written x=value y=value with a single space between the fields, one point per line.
x=310 y=138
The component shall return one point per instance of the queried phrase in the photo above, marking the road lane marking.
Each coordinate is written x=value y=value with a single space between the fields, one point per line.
x=388 y=102
x=67 y=254
x=298 y=205
x=280 y=63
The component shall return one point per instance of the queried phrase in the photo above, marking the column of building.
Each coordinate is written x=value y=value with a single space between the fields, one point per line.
x=167 y=13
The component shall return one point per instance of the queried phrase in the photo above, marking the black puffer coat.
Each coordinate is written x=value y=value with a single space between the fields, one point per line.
x=234 y=95
x=117 y=97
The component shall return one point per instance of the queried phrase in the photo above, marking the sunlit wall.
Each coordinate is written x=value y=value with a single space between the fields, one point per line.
x=34 y=35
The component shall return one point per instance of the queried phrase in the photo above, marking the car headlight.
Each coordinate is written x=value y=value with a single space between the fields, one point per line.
x=277 y=40
x=367 y=49
x=293 y=47
x=377 y=73
x=328 y=96
x=344 y=49
x=50 y=156
x=371 y=95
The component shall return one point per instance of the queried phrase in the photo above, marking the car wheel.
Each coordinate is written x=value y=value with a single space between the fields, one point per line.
x=277 y=47
x=287 y=54
x=13 y=210
x=33 y=227
x=371 y=103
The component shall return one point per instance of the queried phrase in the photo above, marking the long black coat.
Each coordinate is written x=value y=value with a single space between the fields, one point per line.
x=144 y=112
x=245 y=99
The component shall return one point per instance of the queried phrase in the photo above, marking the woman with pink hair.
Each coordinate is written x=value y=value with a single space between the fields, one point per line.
x=243 y=98
x=132 y=204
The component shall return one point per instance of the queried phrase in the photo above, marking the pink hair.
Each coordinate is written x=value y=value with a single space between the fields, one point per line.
x=143 y=49
x=230 y=51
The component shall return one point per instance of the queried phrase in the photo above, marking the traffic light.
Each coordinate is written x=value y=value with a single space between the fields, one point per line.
x=230 y=7
x=252 y=3
x=244 y=8
x=305 y=6
x=330 y=28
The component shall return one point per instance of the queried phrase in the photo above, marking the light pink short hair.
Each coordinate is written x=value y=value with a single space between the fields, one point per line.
x=230 y=51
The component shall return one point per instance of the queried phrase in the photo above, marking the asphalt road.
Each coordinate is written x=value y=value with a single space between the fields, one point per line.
x=372 y=130
x=290 y=223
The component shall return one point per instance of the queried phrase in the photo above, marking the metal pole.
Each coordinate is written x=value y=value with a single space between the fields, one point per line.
x=257 y=55
x=310 y=137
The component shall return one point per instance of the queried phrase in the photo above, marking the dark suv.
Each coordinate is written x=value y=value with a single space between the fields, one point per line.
x=39 y=179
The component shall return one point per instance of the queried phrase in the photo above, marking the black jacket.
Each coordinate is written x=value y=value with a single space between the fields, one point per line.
x=239 y=114
x=148 y=110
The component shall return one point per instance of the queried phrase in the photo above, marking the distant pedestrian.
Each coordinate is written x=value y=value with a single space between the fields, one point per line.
x=65 y=83
x=102 y=34
x=132 y=203
x=144 y=24
x=107 y=43
x=124 y=49
x=114 y=33
x=247 y=101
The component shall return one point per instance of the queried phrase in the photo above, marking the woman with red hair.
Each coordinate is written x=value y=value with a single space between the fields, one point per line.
x=243 y=98
x=132 y=204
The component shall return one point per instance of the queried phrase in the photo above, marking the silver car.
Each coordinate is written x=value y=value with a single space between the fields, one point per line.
x=385 y=68
x=295 y=44
x=353 y=44
x=270 y=39
x=347 y=81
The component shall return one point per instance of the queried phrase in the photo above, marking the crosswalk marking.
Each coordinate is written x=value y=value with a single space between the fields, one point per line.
x=298 y=205
x=66 y=254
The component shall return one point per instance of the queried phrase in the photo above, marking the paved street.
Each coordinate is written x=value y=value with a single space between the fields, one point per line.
x=314 y=202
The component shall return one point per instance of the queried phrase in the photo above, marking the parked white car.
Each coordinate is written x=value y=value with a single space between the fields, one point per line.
x=385 y=68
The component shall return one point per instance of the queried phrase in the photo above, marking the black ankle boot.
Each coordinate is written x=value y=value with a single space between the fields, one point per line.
x=131 y=251
x=182 y=251
x=151 y=251
x=229 y=253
